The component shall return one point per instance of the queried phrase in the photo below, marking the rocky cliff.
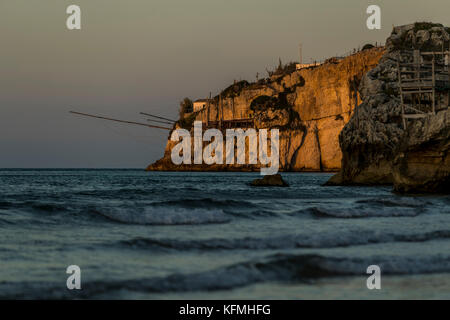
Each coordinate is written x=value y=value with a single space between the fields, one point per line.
x=422 y=163
x=376 y=147
x=310 y=107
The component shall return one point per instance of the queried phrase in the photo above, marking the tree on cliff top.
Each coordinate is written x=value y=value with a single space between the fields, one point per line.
x=186 y=106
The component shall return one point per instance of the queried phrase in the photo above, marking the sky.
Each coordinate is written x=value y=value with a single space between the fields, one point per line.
x=134 y=56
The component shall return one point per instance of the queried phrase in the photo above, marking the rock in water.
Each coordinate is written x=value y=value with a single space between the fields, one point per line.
x=270 y=181
x=375 y=147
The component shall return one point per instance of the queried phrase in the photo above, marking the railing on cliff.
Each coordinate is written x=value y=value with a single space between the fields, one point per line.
x=315 y=63
x=424 y=83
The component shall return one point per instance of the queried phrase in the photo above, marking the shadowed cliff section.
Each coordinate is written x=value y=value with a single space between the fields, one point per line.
x=376 y=148
x=309 y=106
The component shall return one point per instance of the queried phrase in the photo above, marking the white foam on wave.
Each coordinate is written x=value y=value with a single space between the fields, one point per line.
x=164 y=216
x=365 y=212
x=310 y=240
x=395 y=201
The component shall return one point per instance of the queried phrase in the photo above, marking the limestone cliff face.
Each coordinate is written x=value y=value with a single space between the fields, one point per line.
x=376 y=148
x=310 y=107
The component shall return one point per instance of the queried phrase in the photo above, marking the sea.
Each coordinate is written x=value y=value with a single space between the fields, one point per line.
x=202 y=235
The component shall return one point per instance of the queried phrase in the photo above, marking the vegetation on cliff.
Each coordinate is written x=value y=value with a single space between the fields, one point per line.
x=282 y=69
x=186 y=106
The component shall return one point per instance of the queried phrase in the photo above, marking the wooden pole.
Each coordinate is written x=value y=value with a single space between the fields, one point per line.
x=417 y=74
x=202 y=111
x=301 y=53
x=447 y=63
x=158 y=117
x=416 y=57
x=207 y=109
x=401 y=94
x=220 y=110
x=117 y=120
x=165 y=122
x=433 y=98
x=232 y=107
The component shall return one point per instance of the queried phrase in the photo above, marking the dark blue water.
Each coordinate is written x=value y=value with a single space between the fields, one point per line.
x=154 y=235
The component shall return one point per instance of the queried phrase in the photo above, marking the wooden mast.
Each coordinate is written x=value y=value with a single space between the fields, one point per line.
x=117 y=120
x=220 y=110
x=433 y=81
x=208 y=106
x=401 y=94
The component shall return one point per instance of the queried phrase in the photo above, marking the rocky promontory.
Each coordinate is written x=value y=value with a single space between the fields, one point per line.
x=376 y=147
x=309 y=106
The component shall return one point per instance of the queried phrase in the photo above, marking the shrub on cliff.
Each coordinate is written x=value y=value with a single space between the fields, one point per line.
x=367 y=46
x=282 y=69
x=235 y=89
x=186 y=106
x=187 y=122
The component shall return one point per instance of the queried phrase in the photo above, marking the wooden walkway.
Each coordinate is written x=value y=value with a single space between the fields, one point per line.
x=231 y=124
x=424 y=84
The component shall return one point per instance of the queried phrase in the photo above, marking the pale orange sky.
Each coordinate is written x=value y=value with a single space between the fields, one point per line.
x=140 y=55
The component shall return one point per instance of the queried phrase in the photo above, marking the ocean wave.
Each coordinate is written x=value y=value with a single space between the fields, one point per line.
x=252 y=214
x=5 y=204
x=47 y=207
x=385 y=207
x=204 y=203
x=162 y=216
x=35 y=206
x=322 y=240
x=280 y=268
x=363 y=212
x=396 y=202
x=116 y=193
x=4 y=222
x=129 y=214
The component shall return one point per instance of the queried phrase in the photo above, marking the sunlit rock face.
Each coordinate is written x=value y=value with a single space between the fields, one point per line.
x=310 y=107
